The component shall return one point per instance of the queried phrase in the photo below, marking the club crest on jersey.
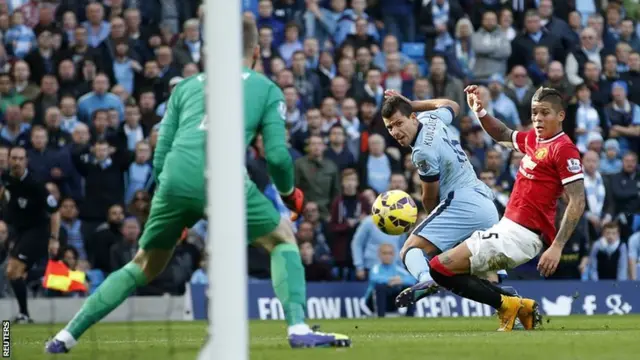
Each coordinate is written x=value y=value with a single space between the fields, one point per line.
x=573 y=165
x=541 y=153
x=22 y=202
x=423 y=166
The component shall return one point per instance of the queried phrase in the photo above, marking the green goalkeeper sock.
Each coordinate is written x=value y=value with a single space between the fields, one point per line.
x=112 y=292
x=287 y=278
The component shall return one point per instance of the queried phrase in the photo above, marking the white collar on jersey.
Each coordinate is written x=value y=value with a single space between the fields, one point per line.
x=543 y=141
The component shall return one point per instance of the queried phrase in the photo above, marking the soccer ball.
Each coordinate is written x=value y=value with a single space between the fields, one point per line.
x=394 y=212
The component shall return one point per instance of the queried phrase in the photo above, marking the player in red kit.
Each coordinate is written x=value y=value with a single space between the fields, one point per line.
x=550 y=167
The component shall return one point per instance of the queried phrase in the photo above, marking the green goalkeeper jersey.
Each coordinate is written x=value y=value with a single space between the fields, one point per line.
x=179 y=160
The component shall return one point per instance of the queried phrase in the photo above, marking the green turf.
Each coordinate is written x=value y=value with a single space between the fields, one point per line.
x=567 y=338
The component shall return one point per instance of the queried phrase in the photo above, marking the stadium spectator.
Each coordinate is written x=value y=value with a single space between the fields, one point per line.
x=502 y=104
x=489 y=178
x=42 y=160
x=337 y=151
x=123 y=250
x=588 y=51
x=347 y=210
x=15 y=131
x=99 y=98
x=97 y=28
x=556 y=79
x=8 y=95
x=188 y=48
x=442 y=84
x=491 y=48
x=58 y=138
x=291 y=43
x=313 y=270
x=609 y=259
x=306 y=82
x=624 y=193
x=523 y=44
x=317 y=176
x=73 y=231
x=595 y=188
x=386 y=280
x=584 y=117
x=375 y=167
x=395 y=78
x=520 y=89
x=320 y=229
x=306 y=233
x=538 y=68
x=631 y=76
x=623 y=118
x=610 y=162
x=600 y=88
x=102 y=167
x=139 y=175
x=23 y=85
x=390 y=46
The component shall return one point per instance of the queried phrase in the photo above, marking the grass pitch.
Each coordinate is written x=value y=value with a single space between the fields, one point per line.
x=566 y=338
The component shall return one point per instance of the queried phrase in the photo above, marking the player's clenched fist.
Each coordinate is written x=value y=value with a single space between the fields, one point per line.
x=294 y=202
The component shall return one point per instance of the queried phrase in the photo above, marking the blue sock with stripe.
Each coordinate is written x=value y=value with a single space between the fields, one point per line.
x=417 y=264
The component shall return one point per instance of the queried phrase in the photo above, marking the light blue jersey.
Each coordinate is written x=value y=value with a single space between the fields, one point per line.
x=439 y=156
x=466 y=203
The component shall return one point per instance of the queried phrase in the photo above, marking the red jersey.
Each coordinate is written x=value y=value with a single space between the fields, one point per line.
x=548 y=165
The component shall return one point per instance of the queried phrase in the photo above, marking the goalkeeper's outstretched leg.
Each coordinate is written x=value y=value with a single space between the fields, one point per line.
x=287 y=278
x=168 y=218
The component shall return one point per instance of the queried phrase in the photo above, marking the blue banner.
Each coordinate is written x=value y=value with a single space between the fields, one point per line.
x=344 y=300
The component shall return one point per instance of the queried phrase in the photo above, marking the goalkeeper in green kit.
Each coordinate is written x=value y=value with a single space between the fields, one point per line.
x=179 y=202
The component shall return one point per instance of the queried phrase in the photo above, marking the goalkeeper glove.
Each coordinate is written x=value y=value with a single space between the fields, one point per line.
x=294 y=202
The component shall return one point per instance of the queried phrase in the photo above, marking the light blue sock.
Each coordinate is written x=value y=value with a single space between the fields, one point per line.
x=417 y=264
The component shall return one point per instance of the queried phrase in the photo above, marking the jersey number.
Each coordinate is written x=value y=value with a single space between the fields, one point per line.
x=457 y=149
x=489 y=236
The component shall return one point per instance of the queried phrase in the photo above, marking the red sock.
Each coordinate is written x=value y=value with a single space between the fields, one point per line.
x=436 y=265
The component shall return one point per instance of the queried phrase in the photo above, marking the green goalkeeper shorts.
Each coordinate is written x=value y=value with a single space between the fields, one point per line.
x=262 y=216
x=171 y=214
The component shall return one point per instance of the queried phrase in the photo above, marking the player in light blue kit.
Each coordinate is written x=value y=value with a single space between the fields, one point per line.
x=457 y=201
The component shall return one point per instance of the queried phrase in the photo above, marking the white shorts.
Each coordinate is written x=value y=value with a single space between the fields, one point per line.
x=505 y=245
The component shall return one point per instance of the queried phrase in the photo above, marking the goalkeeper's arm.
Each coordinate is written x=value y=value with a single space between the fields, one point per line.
x=168 y=128
x=279 y=163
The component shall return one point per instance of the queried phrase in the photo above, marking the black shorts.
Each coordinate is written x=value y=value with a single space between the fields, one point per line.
x=31 y=245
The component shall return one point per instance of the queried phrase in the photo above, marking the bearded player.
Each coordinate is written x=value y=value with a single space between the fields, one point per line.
x=179 y=163
x=550 y=167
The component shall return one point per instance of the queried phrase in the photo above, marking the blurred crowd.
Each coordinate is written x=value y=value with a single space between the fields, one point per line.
x=84 y=84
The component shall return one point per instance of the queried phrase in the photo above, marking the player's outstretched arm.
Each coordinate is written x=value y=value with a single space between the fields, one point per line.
x=427 y=105
x=494 y=127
